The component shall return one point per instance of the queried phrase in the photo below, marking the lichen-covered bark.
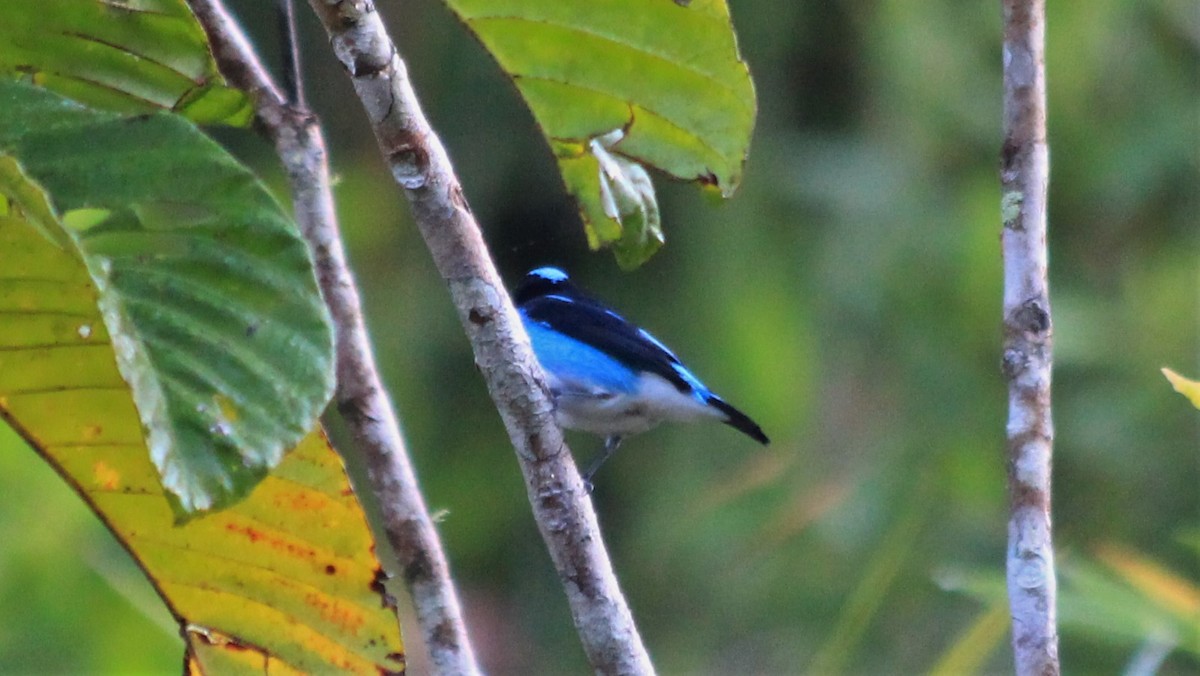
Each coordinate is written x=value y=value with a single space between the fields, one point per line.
x=1024 y=174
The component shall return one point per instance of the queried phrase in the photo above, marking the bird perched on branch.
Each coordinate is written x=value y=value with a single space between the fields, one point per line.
x=606 y=375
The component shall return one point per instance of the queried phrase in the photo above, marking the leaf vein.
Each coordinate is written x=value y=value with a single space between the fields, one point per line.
x=631 y=46
x=53 y=346
x=136 y=56
x=37 y=391
x=700 y=140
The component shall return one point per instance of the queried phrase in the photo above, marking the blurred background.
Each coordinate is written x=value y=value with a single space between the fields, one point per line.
x=848 y=298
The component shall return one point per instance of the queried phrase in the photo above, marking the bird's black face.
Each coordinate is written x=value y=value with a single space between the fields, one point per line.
x=543 y=282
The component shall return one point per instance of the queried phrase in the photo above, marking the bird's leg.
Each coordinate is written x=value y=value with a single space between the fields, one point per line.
x=610 y=447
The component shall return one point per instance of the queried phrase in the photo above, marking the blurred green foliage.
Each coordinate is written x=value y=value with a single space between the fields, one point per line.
x=848 y=298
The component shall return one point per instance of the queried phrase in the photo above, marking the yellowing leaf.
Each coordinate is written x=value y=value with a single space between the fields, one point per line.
x=1164 y=587
x=287 y=577
x=978 y=641
x=1184 y=386
x=211 y=653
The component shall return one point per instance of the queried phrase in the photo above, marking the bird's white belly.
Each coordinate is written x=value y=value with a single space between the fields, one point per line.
x=609 y=413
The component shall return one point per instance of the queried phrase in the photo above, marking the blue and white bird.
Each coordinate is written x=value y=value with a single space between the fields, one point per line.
x=606 y=375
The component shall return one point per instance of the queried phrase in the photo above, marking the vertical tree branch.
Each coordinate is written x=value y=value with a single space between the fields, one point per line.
x=502 y=351
x=360 y=396
x=1027 y=340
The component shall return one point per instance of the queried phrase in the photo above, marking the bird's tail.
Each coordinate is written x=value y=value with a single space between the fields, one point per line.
x=738 y=420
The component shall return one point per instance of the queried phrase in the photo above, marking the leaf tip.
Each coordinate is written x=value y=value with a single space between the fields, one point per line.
x=1185 y=386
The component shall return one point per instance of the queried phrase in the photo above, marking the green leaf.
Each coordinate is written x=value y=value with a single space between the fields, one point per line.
x=128 y=56
x=666 y=75
x=969 y=653
x=203 y=286
x=880 y=574
x=1167 y=591
x=1119 y=596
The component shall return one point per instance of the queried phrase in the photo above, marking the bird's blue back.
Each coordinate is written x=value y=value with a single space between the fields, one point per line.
x=586 y=345
x=573 y=360
x=549 y=301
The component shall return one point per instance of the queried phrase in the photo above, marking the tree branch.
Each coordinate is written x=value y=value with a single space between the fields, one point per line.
x=289 y=35
x=502 y=351
x=1024 y=173
x=361 y=398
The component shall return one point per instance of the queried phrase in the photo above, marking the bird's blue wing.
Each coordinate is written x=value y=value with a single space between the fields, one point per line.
x=579 y=368
x=585 y=341
x=590 y=322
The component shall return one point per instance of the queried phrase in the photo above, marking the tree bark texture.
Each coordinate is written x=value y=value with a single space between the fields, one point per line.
x=1024 y=174
x=502 y=351
x=360 y=396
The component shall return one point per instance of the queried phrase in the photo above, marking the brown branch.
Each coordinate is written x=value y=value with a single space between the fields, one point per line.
x=361 y=398
x=419 y=164
x=1024 y=174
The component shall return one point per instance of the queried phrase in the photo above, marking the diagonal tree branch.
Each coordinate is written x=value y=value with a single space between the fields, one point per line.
x=502 y=351
x=361 y=398
x=1024 y=175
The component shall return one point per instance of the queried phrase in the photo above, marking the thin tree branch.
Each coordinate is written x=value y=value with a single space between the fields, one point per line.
x=1024 y=173
x=289 y=35
x=502 y=351
x=361 y=398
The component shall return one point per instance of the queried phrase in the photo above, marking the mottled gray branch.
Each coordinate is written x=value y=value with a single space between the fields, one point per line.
x=360 y=396
x=1024 y=174
x=419 y=163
